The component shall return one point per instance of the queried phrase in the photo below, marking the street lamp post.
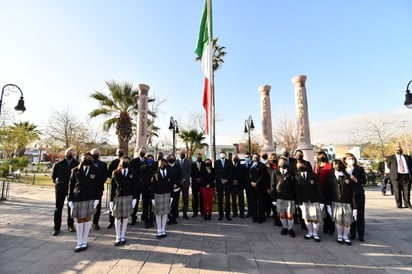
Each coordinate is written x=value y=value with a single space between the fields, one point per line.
x=249 y=126
x=13 y=88
x=175 y=129
x=408 y=96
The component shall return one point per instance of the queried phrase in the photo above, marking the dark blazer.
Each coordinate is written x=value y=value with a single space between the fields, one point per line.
x=310 y=190
x=185 y=170
x=223 y=172
x=393 y=166
x=112 y=167
x=340 y=190
x=84 y=187
x=260 y=176
x=61 y=174
x=160 y=184
x=195 y=173
x=124 y=185
x=102 y=174
x=208 y=178
x=285 y=187
x=240 y=173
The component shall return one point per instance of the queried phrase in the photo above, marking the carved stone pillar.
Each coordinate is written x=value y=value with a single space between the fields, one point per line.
x=142 y=132
x=266 y=117
x=304 y=142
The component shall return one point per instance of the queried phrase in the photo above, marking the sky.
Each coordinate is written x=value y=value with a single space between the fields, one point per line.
x=356 y=55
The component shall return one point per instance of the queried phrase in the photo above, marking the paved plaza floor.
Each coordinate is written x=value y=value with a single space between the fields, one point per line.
x=198 y=246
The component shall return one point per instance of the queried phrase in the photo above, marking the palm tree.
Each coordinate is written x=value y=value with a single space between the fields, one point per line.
x=218 y=54
x=24 y=133
x=193 y=140
x=119 y=106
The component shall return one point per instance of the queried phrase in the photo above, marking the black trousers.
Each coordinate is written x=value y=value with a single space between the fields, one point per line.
x=402 y=188
x=147 y=211
x=359 y=224
x=60 y=197
x=96 y=215
x=197 y=200
x=135 y=209
x=257 y=205
x=223 y=191
x=174 y=211
x=238 y=196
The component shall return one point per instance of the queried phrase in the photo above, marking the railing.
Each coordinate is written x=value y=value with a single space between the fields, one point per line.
x=5 y=188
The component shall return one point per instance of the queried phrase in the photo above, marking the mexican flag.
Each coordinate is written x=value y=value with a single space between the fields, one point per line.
x=204 y=51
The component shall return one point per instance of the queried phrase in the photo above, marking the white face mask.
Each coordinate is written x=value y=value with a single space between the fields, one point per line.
x=350 y=162
x=222 y=156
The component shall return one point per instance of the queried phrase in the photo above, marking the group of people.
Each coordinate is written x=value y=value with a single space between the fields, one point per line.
x=288 y=187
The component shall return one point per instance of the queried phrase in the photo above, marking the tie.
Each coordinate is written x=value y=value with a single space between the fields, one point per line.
x=198 y=166
x=401 y=166
x=86 y=170
x=223 y=163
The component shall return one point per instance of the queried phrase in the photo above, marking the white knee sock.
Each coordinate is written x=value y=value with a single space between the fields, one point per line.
x=290 y=224
x=117 y=226
x=159 y=223
x=339 y=230
x=315 y=229
x=310 y=228
x=346 y=231
x=86 y=230
x=124 y=227
x=164 y=220
x=284 y=223
x=79 y=233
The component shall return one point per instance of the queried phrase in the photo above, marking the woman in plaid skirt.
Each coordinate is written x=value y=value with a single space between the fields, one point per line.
x=123 y=197
x=161 y=190
x=83 y=197
x=340 y=200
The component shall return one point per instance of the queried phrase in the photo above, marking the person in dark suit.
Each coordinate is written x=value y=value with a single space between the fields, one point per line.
x=384 y=171
x=358 y=175
x=185 y=171
x=112 y=167
x=400 y=167
x=290 y=161
x=137 y=163
x=61 y=176
x=223 y=168
x=238 y=184
x=173 y=168
x=196 y=176
x=248 y=189
x=102 y=177
x=147 y=170
x=259 y=181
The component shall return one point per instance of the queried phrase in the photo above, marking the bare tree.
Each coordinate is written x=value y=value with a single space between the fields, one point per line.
x=286 y=133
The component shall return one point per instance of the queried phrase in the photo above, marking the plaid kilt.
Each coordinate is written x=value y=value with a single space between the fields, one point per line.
x=82 y=209
x=162 y=204
x=122 y=206
x=311 y=211
x=287 y=206
x=342 y=213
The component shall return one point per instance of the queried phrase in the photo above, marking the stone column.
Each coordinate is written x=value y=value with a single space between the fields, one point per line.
x=142 y=132
x=302 y=116
x=266 y=117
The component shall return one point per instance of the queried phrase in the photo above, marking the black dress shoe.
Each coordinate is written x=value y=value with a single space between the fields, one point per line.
x=56 y=232
x=110 y=225
x=117 y=243
x=284 y=231
x=122 y=241
x=78 y=248
x=220 y=218
x=228 y=218
x=194 y=215
x=95 y=226
x=234 y=215
x=84 y=246
x=242 y=216
x=292 y=233
x=205 y=217
x=71 y=229
x=185 y=216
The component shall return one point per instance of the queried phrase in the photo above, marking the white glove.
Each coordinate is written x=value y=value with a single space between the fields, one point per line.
x=274 y=203
x=111 y=206
x=95 y=203
x=329 y=210
x=171 y=200
x=321 y=206
x=153 y=202
x=134 y=201
x=355 y=214
x=71 y=204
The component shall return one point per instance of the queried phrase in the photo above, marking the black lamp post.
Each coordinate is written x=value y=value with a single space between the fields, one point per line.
x=13 y=88
x=249 y=126
x=175 y=129
x=408 y=96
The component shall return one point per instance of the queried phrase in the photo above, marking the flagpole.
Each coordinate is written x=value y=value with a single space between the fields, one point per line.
x=212 y=85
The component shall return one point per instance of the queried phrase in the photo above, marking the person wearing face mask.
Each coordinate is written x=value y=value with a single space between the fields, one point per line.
x=290 y=161
x=312 y=199
x=147 y=171
x=272 y=165
x=323 y=169
x=340 y=201
x=84 y=191
x=207 y=188
x=196 y=176
x=223 y=169
x=238 y=184
x=61 y=176
x=162 y=189
x=102 y=177
x=259 y=182
x=285 y=196
x=299 y=156
x=185 y=171
x=248 y=189
x=123 y=197
x=174 y=171
x=400 y=166
x=137 y=163
x=112 y=167
x=358 y=175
